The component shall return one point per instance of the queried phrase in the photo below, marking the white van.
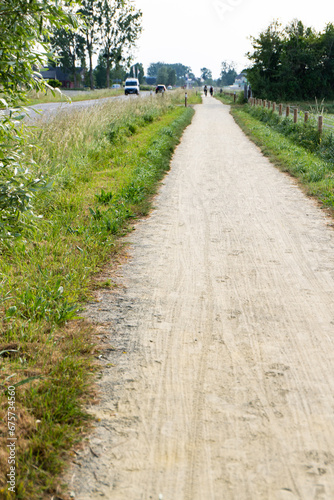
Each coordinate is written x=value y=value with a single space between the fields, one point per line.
x=131 y=86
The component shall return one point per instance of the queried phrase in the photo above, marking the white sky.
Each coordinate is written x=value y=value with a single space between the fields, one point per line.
x=205 y=33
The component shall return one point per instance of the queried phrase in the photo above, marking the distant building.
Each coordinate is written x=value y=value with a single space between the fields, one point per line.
x=189 y=83
x=151 y=80
x=240 y=80
x=63 y=75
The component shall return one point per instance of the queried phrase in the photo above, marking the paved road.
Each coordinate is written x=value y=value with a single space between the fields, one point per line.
x=221 y=382
x=50 y=109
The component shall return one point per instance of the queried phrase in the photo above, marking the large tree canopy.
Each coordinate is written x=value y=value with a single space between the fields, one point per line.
x=181 y=72
x=121 y=26
x=110 y=27
x=294 y=62
x=228 y=73
x=206 y=75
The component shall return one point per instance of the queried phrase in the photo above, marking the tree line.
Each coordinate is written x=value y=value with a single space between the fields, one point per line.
x=294 y=62
x=176 y=74
x=110 y=27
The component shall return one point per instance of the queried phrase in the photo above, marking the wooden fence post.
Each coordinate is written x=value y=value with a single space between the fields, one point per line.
x=274 y=106
x=306 y=116
x=280 y=109
x=269 y=104
x=320 y=124
x=287 y=111
x=264 y=103
x=295 y=115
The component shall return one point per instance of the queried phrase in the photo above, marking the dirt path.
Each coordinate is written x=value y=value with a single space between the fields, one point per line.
x=223 y=382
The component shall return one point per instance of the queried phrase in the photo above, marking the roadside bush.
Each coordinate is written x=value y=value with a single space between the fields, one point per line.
x=18 y=183
x=147 y=87
x=54 y=83
x=241 y=98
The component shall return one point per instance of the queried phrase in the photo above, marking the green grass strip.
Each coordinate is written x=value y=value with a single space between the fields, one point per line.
x=315 y=174
x=102 y=182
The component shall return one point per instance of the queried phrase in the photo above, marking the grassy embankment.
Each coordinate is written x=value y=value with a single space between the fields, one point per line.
x=295 y=148
x=105 y=166
x=71 y=95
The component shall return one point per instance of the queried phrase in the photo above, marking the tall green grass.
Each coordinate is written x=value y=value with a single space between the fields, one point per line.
x=303 y=134
x=104 y=164
x=294 y=148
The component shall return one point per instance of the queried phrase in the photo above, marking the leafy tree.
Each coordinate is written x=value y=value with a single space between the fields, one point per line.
x=264 y=75
x=326 y=61
x=92 y=14
x=299 y=62
x=228 y=74
x=24 y=46
x=100 y=71
x=118 y=73
x=162 y=76
x=154 y=68
x=69 y=47
x=171 y=76
x=206 y=75
x=137 y=70
x=121 y=26
x=292 y=63
x=180 y=69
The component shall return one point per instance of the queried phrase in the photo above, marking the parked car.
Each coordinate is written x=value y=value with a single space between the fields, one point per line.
x=115 y=86
x=160 y=89
x=169 y=87
x=131 y=86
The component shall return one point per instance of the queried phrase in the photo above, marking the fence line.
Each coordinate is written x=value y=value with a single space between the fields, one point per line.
x=322 y=122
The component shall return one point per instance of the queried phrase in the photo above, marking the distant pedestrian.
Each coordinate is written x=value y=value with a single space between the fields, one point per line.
x=211 y=91
x=205 y=90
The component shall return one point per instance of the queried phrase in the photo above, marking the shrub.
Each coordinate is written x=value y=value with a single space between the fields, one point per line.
x=54 y=83
x=303 y=134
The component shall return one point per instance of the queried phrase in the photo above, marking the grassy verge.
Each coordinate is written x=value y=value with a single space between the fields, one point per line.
x=226 y=99
x=315 y=174
x=315 y=107
x=105 y=165
x=84 y=95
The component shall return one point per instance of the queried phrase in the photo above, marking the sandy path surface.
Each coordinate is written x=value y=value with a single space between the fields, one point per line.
x=223 y=380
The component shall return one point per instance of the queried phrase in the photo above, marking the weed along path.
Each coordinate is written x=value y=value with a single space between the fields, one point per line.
x=220 y=384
